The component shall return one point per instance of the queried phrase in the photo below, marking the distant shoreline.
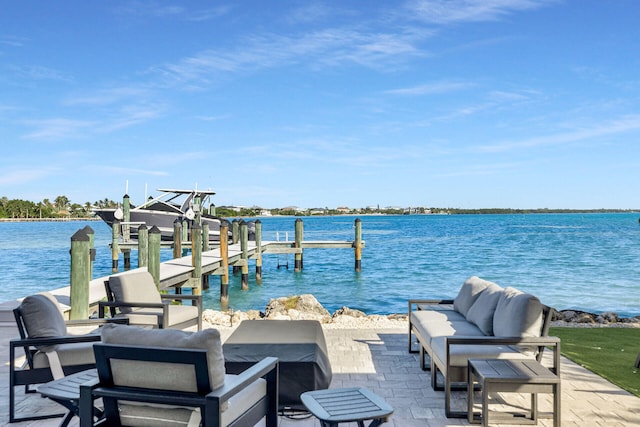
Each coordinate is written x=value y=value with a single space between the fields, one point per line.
x=48 y=219
x=438 y=212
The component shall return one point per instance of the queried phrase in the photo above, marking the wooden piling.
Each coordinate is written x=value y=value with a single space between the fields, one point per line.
x=126 y=210
x=258 y=251
x=244 y=248
x=235 y=238
x=154 y=254
x=185 y=235
x=177 y=239
x=126 y=256
x=298 y=264
x=143 y=246
x=196 y=258
x=358 y=245
x=79 y=289
x=224 y=264
x=206 y=246
x=92 y=250
x=115 y=232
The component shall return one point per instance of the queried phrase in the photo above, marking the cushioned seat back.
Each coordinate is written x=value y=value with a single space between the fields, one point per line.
x=517 y=314
x=468 y=293
x=166 y=376
x=41 y=316
x=134 y=287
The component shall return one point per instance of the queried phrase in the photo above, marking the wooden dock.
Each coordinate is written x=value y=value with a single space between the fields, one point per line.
x=192 y=270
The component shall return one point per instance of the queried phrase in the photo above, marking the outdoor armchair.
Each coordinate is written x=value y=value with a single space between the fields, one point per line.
x=134 y=295
x=175 y=378
x=50 y=351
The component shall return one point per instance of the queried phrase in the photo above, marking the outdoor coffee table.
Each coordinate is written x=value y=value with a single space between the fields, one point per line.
x=512 y=376
x=66 y=391
x=342 y=405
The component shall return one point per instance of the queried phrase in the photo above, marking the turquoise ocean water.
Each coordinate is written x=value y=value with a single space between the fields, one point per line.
x=588 y=262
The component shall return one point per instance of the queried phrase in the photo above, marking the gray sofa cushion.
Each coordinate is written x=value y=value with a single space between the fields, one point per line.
x=517 y=314
x=431 y=324
x=468 y=293
x=208 y=339
x=134 y=287
x=482 y=311
x=460 y=355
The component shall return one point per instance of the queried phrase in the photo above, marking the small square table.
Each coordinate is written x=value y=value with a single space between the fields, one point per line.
x=512 y=376
x=341 y=405
x=66 y=391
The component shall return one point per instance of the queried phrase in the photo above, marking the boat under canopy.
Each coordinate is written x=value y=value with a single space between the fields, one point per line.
x=162 y=211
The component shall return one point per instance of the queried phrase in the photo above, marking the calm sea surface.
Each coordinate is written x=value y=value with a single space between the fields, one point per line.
x=581 y=261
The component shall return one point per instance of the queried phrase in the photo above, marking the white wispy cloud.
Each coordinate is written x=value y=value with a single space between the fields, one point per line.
x=431 y=88
x=108 y=96
x=162 y=10
x=57 y=128
x=322 y=48
x=132 y=115
x=213 y=118
x=66 y=128
x=621 y=125
x=23 y=175
x=443 y=12
x=127 y=171
x=13 y=41
x=35 y=72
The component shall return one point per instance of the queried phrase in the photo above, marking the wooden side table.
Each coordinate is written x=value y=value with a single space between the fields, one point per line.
x=66 y=391
x=341 y=405
x=512 y=376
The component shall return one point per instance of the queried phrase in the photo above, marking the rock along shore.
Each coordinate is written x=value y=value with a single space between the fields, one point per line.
x=307 y=307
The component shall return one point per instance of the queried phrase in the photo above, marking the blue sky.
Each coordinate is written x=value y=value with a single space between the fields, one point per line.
x=461 y=103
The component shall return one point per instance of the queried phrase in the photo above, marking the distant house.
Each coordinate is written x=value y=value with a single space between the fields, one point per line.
x=343 y=209
x=231 y=208
x=317 y=211
x=292 y=208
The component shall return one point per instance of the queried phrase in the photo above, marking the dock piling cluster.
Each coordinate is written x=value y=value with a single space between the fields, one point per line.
x=207 y=258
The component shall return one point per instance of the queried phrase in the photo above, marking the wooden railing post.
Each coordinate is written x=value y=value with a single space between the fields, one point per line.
x=154 y=254
x=79 y=290
x=143 y=246
x=298 y=264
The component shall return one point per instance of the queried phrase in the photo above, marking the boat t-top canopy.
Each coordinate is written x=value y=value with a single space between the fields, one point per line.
x=204 y=192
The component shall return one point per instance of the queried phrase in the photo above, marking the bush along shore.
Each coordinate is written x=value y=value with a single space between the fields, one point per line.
x=307 y=307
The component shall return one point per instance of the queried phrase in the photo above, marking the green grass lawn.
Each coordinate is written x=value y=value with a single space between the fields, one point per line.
x=608 y=352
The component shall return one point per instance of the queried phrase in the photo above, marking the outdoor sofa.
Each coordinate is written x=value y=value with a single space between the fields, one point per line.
x=484 y=321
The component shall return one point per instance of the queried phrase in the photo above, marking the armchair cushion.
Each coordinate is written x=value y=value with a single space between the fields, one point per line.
x=79 y=353
x=481 y=311
x=468 y=294
x=517 y=314
x=42 y=316
x=208 y=339
x=134 y=287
